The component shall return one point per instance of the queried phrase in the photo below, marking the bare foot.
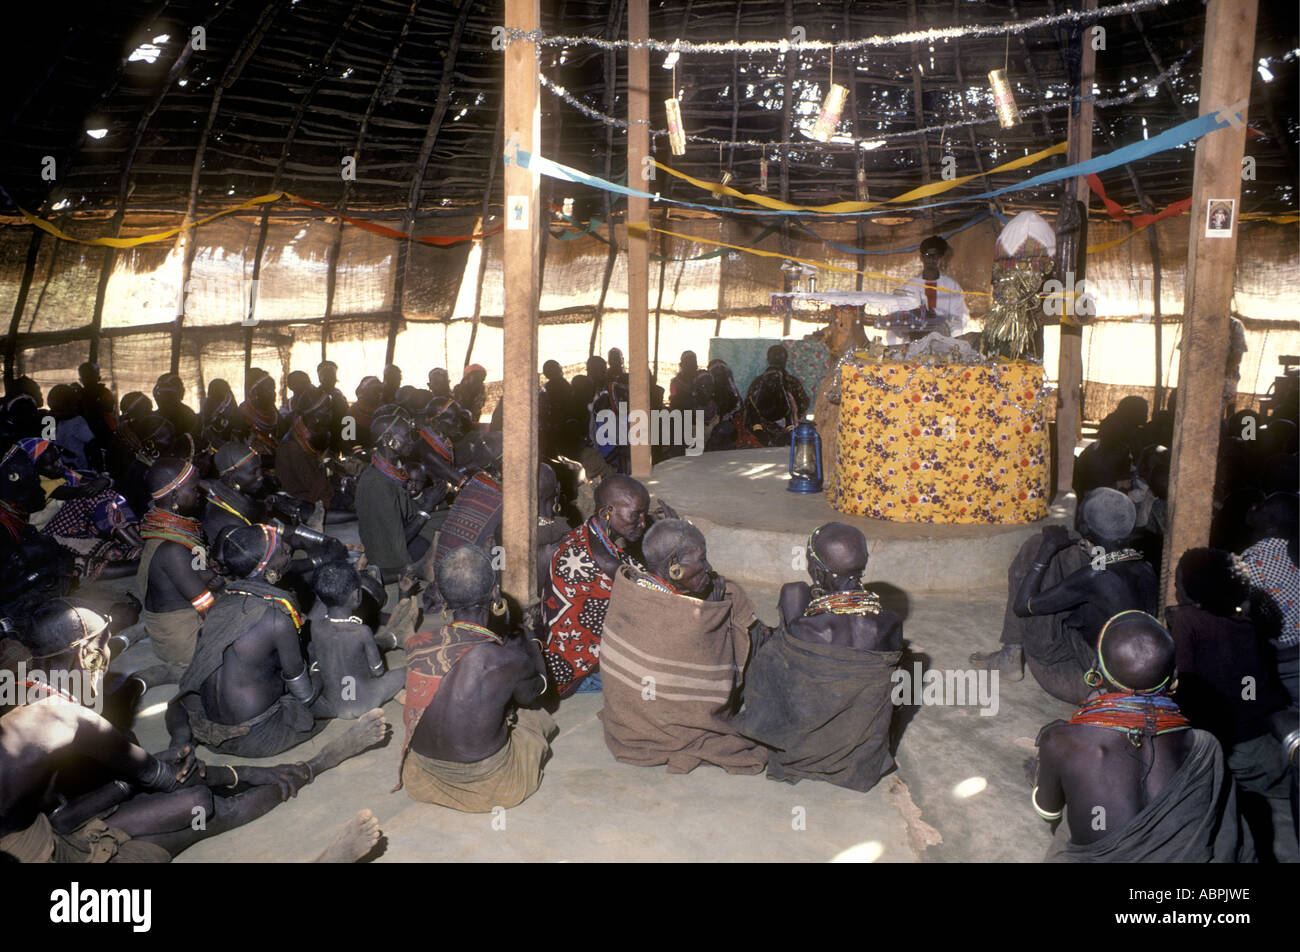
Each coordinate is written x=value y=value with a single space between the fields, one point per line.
x=370 y=729
x=400 y=697
x=354 y=841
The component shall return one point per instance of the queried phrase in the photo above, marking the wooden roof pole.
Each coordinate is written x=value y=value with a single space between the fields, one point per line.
x=265 y=223
x=482 y=257
x=20 y=304
x=723 y=270
x=422 y=166
x=1071 y=261
x=611 y=79
x=519 y=416
x=787 y=130
x=1211 y=264
x=547 y=192
x=859 y=159
x=123 y=189
x=961 y=81
x=187 y=242
x=918 y=104
x=336 y=247
x=638 y=211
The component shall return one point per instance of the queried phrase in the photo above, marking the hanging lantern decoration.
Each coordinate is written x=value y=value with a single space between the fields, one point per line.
x=1003 y=99
x=862 y=184
x=829 y=117
x=762 y=172
x=726 y=178
x=676 y=131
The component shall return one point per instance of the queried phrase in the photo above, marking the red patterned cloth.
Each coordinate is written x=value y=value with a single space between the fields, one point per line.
x=576 y=604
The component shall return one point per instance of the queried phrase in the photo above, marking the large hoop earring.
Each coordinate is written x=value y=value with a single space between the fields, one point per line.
x=499 y=607
x=1092 y=678
x=675 y=572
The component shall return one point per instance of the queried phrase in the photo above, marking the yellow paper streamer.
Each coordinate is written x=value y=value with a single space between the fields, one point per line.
x=923 y=191
x=45 y=226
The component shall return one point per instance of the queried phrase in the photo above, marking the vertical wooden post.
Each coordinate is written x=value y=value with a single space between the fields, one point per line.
x=1071 y=228
x=20 y=304
x=1225 y=85
x=918 y=104
x=519 y=417
x=638 y=212
x=787 y=132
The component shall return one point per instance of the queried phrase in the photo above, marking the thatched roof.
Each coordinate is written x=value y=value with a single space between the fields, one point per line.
x=284 y=90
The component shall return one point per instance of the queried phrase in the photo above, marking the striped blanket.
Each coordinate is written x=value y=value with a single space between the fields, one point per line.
x=673 y=667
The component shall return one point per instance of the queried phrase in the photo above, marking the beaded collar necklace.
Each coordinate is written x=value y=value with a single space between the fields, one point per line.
x=478 y=630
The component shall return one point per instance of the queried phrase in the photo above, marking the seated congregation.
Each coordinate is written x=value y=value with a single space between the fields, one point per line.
x=216 y=538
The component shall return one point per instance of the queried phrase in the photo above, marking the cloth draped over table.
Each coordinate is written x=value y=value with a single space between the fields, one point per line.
x=824 y=709
x=1193 y=819
x=949 y=443
x=673 y=668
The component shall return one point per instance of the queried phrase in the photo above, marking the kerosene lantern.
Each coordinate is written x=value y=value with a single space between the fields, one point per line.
x=805 y=459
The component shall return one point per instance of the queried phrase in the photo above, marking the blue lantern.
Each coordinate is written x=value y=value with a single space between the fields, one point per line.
x=805 y=459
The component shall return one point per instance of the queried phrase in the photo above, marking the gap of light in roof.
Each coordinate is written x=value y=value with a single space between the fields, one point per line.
x=149 y=52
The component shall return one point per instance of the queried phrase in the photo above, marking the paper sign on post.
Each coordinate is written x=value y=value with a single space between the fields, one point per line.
x=517 y=216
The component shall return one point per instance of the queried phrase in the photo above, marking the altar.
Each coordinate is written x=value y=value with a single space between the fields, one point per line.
x=941 y=442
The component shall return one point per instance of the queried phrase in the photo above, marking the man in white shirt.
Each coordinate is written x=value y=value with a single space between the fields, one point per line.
x=939 y=295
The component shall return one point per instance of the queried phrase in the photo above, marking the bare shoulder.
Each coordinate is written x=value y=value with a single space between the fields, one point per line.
x=45 y=725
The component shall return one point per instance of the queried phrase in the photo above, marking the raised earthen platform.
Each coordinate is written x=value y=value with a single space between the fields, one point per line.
x=757 y=530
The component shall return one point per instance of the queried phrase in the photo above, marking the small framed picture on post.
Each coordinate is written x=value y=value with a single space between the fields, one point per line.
x=1219 y=217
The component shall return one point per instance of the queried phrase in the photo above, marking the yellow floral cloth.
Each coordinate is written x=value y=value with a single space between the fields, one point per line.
x=948 y=443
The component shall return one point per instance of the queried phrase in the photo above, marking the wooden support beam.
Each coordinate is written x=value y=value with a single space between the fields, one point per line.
x=421 y=167
x=1071 y=240
x=519 y=416
x=612 y=23
x=859 y=158
x=638 y=212
x=1211 y=264
x=918 y=103
x=264 y=224
x=482 y=257
x=336 y=247
x=20 y=304
x=188 y=241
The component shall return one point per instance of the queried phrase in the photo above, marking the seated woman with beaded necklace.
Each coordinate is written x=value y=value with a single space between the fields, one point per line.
x=836 y=609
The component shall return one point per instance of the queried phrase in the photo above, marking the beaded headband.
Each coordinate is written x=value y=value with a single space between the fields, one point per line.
x=242 y=460
x=271 y=535
x=186 y=472
x=1101 y=658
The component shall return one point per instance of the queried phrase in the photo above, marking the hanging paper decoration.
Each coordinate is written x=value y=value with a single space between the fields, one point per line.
x=676 y=131
x=862 y=185
x=829 y=118
x=726 y=179
x=1003 y=99
x=762 y=172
